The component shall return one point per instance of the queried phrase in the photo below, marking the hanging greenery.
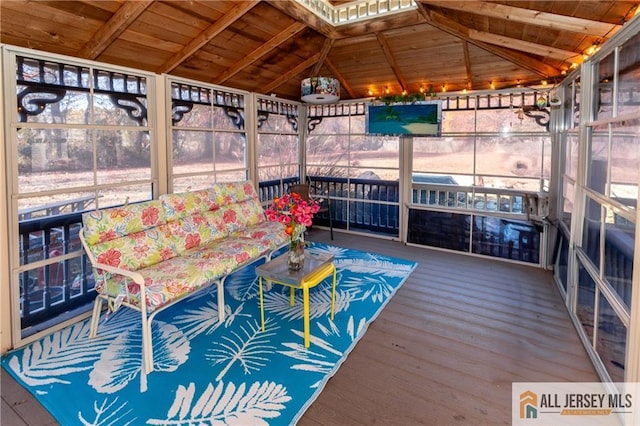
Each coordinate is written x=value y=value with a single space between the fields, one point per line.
x=407 y=98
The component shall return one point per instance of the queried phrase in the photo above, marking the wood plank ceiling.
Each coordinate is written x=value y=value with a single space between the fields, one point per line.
x=270 y=46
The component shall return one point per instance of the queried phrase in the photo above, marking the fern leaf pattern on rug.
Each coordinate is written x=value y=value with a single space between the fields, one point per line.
x=207 y=372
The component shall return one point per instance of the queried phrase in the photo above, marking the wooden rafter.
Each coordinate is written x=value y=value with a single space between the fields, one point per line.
x=208 y=34
x=107 y=33
x=326 y=47
x=289 y=75
x=528 y=16
x=274 y=42
x=344 y=86
x=520 y=59
x=524 y=46
x=388 y=54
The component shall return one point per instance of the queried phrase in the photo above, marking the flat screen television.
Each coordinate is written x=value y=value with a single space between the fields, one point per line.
x=418 y=119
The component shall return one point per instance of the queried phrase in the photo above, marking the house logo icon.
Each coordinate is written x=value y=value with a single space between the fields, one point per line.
x=528 y=405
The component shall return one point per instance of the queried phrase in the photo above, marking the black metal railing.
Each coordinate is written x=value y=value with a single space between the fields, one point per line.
x=270 y=189
x=61 y=278
x=368 y=205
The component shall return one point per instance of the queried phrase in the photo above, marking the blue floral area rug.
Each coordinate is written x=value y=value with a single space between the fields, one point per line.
x=207 y=372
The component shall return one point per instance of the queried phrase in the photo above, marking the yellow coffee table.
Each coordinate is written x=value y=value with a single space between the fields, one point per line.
x=317 y=267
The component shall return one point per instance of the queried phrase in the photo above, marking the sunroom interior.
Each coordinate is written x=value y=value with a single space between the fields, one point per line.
x=538 y=177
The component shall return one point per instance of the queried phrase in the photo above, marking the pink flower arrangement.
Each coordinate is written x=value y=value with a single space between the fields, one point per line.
x=294 y=212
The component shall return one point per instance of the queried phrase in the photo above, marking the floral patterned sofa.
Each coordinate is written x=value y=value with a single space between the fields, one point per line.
x=148 y=256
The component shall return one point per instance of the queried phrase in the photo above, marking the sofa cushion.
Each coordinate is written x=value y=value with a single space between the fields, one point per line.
x=108 y=224
x=185 y=204
x=170 y=280
x=228 y=254
x=196 y=230
x=137 y=250
x=270 y=233
x=240 y=215
x=179 y=276
x=233 y=192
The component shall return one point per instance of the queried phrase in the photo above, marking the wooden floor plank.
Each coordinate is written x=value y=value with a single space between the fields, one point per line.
x=444 y=351
x=455 y=337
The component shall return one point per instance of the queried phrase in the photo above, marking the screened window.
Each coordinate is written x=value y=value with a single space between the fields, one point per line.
x=492 y=160
x=360 y=172
x=511 y=152
x=83 y=140
x=79 y=139
x=277 y=146
x=208 y=139
x=605 y=254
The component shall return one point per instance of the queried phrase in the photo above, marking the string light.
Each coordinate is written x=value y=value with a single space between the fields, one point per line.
x=592 y=49
x=465 y=90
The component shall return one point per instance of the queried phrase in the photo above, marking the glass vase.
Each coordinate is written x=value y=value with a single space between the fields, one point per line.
x=296 y=255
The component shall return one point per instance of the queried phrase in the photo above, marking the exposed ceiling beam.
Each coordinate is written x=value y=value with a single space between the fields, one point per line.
x=292 y=73
x=524 y=46
x=529 y=16
x=343 y=82
x=388 y=54
x=467 y=63
x=116 y=25
x=520 y=59
x=300 y=13
x=207 y=35
x=271 y=44
x=326 y=47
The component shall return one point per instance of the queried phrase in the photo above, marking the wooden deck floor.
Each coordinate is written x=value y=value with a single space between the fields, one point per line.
x=444 y=351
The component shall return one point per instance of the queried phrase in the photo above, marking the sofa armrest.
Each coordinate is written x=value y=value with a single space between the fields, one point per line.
x=135 y=276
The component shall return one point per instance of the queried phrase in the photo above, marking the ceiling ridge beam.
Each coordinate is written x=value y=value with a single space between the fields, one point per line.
x=529 y=16
x=252 y=57
x=111 y=30
x=207 y=35
x=391 y=60
x=522 y=45
x=290 y=74
x=520 y=59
